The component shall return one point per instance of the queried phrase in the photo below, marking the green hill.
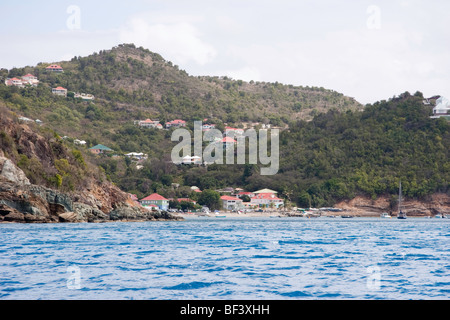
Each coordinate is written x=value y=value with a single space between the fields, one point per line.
x=331 y=147
x=133 y=83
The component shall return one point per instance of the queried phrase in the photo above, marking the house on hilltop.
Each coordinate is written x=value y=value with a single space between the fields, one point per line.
x=54 y=68
x=442 y=108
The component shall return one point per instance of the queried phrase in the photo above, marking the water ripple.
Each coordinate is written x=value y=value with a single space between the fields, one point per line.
x=228 y=259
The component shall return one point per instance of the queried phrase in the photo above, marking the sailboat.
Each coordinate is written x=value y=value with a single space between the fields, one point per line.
x=401 y=214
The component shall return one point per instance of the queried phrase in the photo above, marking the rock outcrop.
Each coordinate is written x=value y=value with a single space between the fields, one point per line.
x=366 y=207
x=23 y=202
x=32 y=194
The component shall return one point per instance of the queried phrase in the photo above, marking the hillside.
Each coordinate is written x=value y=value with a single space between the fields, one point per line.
x=331 y=149
x=133 y=83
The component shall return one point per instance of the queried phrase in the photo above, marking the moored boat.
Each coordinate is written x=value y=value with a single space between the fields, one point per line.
x=400 y=214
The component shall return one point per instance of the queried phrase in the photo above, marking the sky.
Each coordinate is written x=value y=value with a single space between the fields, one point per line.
x=370 y=50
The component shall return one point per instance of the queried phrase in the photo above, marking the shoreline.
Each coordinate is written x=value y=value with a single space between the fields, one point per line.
x=291 y=214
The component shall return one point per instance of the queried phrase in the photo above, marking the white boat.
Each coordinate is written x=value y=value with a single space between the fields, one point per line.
x=385 y=215
x=400 y=214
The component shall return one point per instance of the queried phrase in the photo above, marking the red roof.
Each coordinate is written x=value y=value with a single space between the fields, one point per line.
x=28 y=75
x=54 y=66
x=245 y=192
x=176 y=121
x=154 y=196
x=269 y=196
x=228 y=139
x=228 y=198
x=60 y=88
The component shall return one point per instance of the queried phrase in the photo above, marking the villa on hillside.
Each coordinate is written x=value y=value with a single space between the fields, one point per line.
x=100 y=149
x=442 y=108
x=207 y=127
x=155 y=200
x=27 y=79
x=176 y=123
x=233 y=131
x=137 y=156
x=84 y=96
x=149 y=124
x=60 y=91
x=54 y=68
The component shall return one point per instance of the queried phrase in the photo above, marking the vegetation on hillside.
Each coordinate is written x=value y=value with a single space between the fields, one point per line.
x=331 y=151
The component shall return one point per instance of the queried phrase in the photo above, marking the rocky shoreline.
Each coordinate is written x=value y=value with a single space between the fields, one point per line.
x=23 y=202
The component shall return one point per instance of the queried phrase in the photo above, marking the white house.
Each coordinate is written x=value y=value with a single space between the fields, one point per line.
x=231 y=203
x=136 y=155
x=59 y=91
x=84 y=96
x=30 y=79
x=79 y=142
x=14 y=82
x=192 y=160
x=267 y=199
x=149 y=124
x=442 y=107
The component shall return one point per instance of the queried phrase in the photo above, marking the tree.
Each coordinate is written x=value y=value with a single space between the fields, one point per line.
x=211 y=199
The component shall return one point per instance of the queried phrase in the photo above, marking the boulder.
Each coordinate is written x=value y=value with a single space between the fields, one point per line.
x=12 y=173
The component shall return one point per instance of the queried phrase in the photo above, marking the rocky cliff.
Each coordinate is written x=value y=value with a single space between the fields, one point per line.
x=56 y=185
x=21 y=201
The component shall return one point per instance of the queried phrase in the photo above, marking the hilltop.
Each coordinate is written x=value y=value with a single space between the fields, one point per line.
x=133 y=83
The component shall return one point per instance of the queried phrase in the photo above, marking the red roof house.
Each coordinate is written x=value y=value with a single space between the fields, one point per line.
x=54 y=68
x=176 y=123
x=156 y=199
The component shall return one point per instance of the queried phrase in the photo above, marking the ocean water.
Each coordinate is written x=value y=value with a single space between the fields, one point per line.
x=228 y=259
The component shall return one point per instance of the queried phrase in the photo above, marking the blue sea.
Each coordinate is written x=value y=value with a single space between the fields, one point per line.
x=228 y=259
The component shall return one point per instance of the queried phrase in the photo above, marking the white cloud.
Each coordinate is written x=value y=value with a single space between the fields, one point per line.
x=175 y=40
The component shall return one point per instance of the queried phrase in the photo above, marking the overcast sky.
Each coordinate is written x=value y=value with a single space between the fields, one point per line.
x=369 y=50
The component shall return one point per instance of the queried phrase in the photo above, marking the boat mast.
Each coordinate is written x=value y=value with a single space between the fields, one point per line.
x=400 y=198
